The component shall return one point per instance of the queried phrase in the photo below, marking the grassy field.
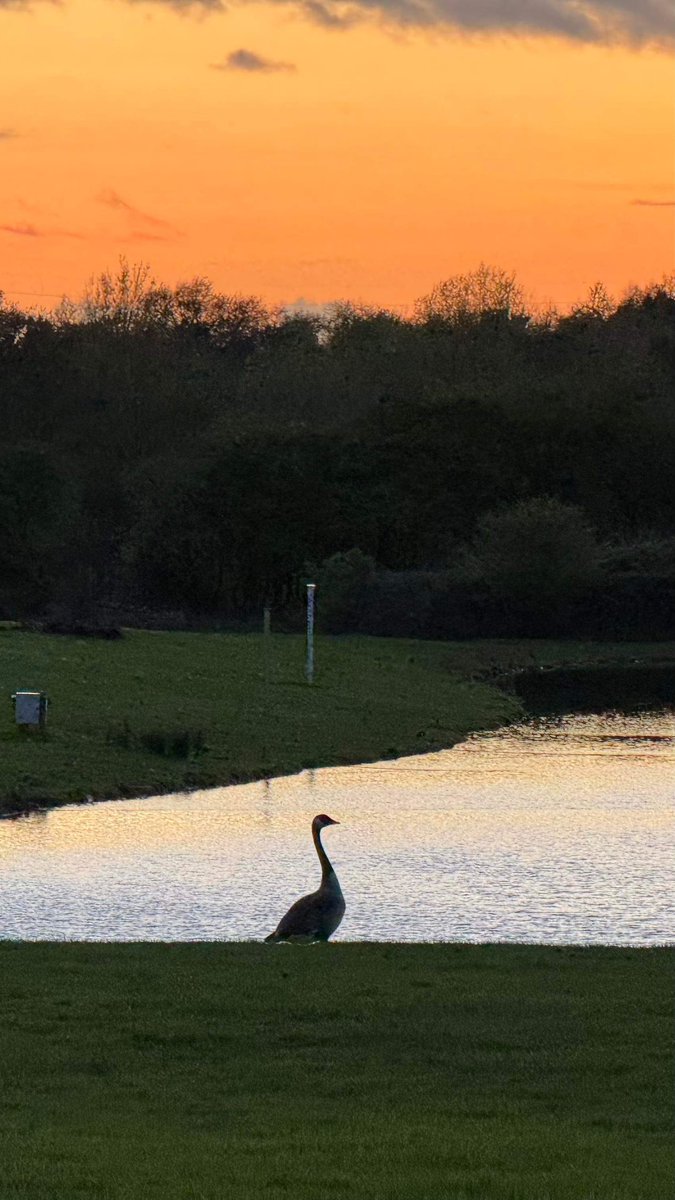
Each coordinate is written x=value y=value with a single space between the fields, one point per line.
x=197 y=1072
x=156 y=712
x=345 y=1072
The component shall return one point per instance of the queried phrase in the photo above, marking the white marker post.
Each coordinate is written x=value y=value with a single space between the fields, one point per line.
x=309 y=667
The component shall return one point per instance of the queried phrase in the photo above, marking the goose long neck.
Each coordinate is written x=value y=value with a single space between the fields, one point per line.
x=326 y=868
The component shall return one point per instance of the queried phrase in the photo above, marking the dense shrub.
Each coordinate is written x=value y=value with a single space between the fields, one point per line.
x=533 y=560
x=344 y=580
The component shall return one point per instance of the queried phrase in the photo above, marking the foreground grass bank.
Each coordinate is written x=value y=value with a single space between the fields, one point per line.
x=157 y=712
x=173 y=1072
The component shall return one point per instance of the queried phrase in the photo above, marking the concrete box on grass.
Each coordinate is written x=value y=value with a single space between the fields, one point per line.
x=30 y=708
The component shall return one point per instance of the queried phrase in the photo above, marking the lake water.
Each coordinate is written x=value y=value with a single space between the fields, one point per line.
x=558 y=832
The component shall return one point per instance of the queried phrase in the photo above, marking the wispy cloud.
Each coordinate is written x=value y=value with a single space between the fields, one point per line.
x=330 y=15
x=185 y=6
x=613 y=185
x=26 y=229
x=23 y=5
x=654 y=203
x=6 y=135
x=629 y=22
x=112 y=199
x=634 y=23
x=248 y=60
x=194 y=7
x=21 y=229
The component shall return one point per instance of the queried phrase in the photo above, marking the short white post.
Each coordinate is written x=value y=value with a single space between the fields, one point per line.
x=309 y=667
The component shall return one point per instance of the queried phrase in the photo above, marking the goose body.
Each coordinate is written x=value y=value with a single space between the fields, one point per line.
x=315 y=917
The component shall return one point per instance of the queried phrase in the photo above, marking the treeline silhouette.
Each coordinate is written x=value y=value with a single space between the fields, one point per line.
x=178 y=455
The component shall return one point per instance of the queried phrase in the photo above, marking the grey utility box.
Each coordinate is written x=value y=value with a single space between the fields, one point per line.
x=30 y=708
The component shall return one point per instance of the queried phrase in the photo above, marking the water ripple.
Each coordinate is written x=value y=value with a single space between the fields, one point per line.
x=553 y=832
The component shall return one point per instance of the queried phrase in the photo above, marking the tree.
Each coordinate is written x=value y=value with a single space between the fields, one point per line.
x=465 y=299
x=125 y=301
x=535 y=558
x=38 y=511
x=598 y=303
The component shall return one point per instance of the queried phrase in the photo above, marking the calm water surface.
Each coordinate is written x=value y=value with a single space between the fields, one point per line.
x=548 y=832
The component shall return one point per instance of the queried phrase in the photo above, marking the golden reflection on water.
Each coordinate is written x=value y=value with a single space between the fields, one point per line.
x=556 y=831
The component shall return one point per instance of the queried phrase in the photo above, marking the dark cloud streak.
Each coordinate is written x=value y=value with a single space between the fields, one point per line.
x=25 y=229
x=24 y=5
x=629 y=22
x=21 y=229
x=248 y=60
x=634 y=23
x=112 y=199
x=194 y=7
x=184 y=6
x=653 y=203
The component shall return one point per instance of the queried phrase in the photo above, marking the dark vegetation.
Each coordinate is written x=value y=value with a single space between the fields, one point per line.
x=150 y=1072
x=176 y=456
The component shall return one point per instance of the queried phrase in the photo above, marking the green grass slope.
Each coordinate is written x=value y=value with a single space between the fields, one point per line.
x=157 y=712
x=197 y=1072
x=108 y=700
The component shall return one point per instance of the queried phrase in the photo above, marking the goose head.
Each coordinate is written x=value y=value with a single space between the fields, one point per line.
x=321 y=821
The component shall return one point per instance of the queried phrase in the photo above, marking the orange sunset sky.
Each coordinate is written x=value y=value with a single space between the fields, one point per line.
x=323 y=150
